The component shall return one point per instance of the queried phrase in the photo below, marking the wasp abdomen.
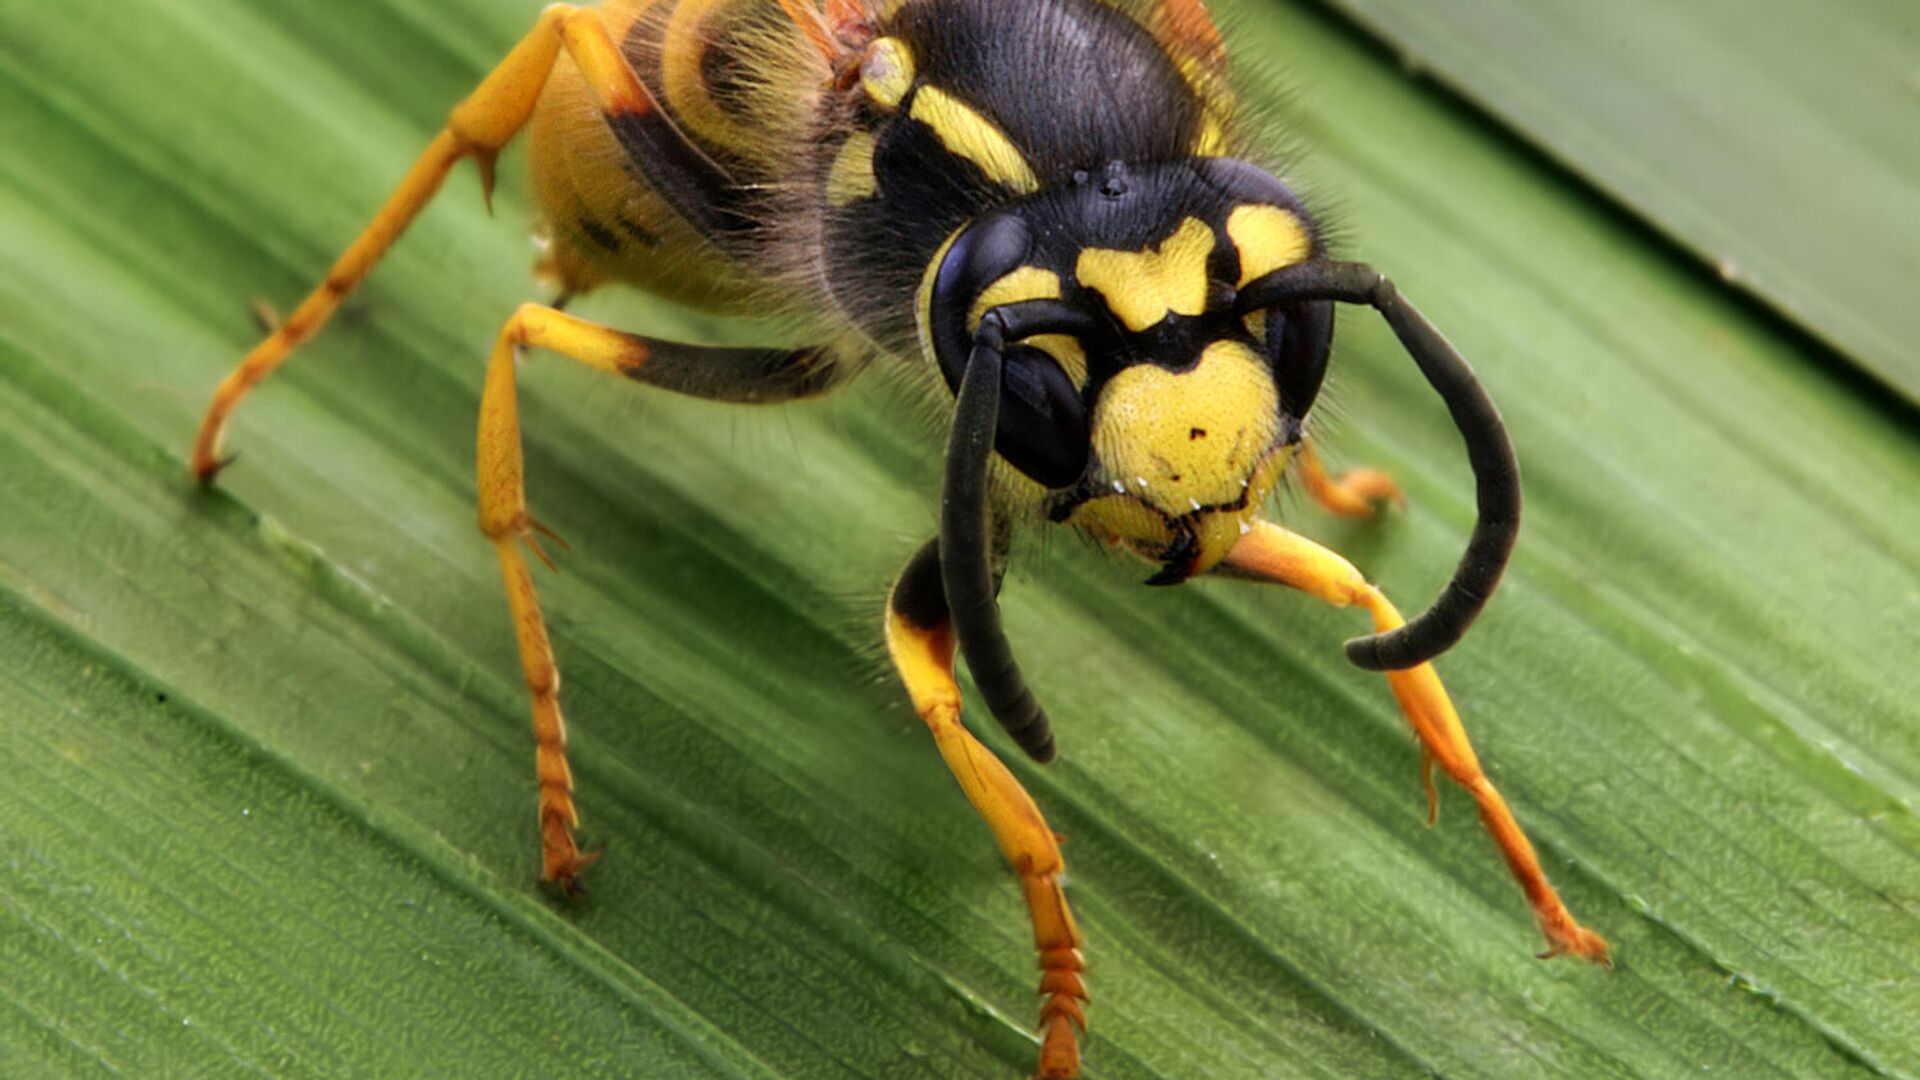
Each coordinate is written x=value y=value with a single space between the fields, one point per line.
x=681 y=199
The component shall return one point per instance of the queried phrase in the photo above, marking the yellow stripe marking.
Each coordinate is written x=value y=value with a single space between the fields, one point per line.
x=968 y=134
x=1212 y=140
x=1143 y=287
x=923 y=297
x=887 y=72
x=851 y=177
x=1026 y=283
x=1033 y=283
x=683 y=81
x=1268 y=238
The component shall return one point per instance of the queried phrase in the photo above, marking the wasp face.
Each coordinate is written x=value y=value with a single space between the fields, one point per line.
x=1163 y=423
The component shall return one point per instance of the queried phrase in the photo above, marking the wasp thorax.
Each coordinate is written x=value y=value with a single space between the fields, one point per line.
x=1184 y=458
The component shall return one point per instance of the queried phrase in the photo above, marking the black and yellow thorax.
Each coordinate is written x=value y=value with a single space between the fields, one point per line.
x=964 y=106
x=762 y=163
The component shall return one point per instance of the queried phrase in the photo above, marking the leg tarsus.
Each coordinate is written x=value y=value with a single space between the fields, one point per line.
x=1576 y=940
x=1063 y=1016
x=208 y=472
x=564 y=873
x=1061 y=1024
x=1356 y=493
x=1057 y=938
x=561 y=859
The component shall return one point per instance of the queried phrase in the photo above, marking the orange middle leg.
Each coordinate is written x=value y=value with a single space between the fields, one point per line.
x=714 y=372
x=501 y=468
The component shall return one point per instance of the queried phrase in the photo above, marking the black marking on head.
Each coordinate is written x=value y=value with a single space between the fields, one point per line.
x=1073 y=85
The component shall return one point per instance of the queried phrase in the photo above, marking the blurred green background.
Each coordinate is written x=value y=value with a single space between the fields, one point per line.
x=267 y=800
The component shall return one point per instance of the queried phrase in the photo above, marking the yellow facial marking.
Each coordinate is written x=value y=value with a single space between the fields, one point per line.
x=1033 y=283
x=1174 y=439
x=1143 y=287
x=887 y=72
x=1181 y=442
x=1268 y=238
x=923 y=296
x=968 y=134
x=1026 y=283
x=851 y=178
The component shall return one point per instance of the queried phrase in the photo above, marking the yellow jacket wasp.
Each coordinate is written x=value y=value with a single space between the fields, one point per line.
x=1045 y=208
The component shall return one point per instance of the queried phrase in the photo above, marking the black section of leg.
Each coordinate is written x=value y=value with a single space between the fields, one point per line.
x=919 y=597
x=966 y=557
x=743 y=376
x=1496 y=472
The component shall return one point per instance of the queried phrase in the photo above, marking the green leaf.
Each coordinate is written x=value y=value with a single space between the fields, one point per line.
x=1772 y=138
x=268 y=805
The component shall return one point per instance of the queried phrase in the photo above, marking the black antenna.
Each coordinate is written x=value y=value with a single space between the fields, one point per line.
x=1495 y=471
x=966 y=559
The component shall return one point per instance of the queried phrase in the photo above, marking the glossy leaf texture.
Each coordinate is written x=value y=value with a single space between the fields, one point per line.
x=1773 y=139
x=267 y=803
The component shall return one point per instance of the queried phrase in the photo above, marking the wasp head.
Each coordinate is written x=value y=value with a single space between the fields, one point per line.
x=1154 y=410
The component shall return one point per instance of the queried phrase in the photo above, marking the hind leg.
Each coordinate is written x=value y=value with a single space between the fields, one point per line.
x=478 y=128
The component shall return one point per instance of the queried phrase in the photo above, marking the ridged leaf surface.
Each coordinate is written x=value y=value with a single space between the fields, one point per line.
x=267 y=798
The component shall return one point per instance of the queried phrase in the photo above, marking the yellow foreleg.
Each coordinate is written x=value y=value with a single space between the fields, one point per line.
x=923 y=655
x=1271 y=553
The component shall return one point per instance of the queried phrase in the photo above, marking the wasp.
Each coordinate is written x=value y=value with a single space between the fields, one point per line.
x=1047 y=212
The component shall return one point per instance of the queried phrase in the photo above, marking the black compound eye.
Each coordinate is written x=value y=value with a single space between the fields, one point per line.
x=1299 y=337
x=1043 y=423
